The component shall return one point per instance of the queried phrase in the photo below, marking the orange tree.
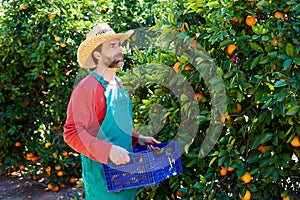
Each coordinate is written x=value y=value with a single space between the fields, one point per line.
x=39 y=69
x=255 y=45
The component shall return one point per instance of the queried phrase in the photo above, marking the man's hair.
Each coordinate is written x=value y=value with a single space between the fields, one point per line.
x=99 y=49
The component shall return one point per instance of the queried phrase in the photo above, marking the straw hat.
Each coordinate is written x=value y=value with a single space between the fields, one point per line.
x=99 y=34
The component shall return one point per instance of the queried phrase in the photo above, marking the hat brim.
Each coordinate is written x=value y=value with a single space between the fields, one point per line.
x=85 y=49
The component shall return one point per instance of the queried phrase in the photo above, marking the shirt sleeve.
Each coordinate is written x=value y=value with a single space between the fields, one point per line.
x=86 y=111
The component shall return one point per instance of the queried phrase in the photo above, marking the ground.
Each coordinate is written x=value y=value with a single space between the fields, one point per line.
x=19 y=188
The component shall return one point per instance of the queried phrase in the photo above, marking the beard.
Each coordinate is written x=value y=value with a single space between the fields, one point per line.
x=115 y=62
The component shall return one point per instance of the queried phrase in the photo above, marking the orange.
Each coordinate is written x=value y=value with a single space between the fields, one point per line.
x=21 y=167
x=23 y=7
x=251 y=20
x=50 y=186
x=48 y=169
x=26 y=102
x=47 y=145
x=65 y=154
x=280 y=39
x=230 y=49
x=224 y=117
x=51 y=16
x=194 y=43
x=72 y=180
x=62 y=185
x=246 y=177
x=56 y=38
x=262 y=149
x=230 y=169
x=18 y=144
x=29 y=156
x=295 y=142
x=35 y=177
x=34 y=159
x=223 y=171
x=55 y=189
x=286 y=198
x=274 y=42
x=187 y=67
x=239 y=108
x=58 y=167
x=179 y=193
x=54 y=154
x=233 y=20
x=176 y=67
x=198 y=97
x=274 y=67
x=278 y=15
x=246 y=197
x=60 y=173
x=63 y=44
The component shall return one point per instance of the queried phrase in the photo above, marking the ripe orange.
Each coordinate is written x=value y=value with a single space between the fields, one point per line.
x=246 y=177
x=194 y=43
x=49 y=186
x=60 y=173
x=65 y=154
x=176 y=67
x=188 y=67
x=57 y=38
x=18 y=144
x=274 y=42
x=239 y=108
x=35 y=177
x=262 y=149
x=223 y=171
x=48 y=169
x=72 y=180
x=47 y=145
x=233 y=20
x=54 y=154
x=230 y=169
x=230 y=49
x=51 y=16
x=251 y=20
x=55 y=189
x=198 y=97
x=246 y=197
x=278 y=15
x=179 y=193
x=62 y=185
x=23 y=7
x=58 y=167
x=63 y=44
x=29 y=156
x=26 y=102
x=21 y=167
x=286 y=198
x=34 y=159
x=295 y=142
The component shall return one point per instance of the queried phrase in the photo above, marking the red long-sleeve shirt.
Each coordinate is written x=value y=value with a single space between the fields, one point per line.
x=86 y=111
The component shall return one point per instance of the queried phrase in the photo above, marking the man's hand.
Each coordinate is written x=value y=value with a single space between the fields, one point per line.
x=145 y=140
x=119 y=155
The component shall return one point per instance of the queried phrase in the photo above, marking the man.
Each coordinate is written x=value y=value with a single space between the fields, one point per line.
x=99 y=117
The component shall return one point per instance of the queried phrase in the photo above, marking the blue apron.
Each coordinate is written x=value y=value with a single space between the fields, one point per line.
x=117 y=129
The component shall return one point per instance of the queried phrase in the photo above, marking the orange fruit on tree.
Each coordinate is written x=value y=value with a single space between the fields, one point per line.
x=176 y=67
x=72 y=180
x=65 y=154
x=295 y=142
x=274 y=42
x=60 y=173
x=23 y=7
x=238 y=108
x=21 y=167
x=47 y=145
x=251 y=20
x=179 y=193
x=55 y=189
x=286 y=198
x=26 y=102
x=51 y=16
x=49 y=186
x=246 y=177
x=278 y=15
x=233 y=20
x=188 y=67
x=247 y=196
x=262 y=149
x=54 y=154
x=230 y=49
x=62 y=185
x=18 y=144
x=34 y=159
x=223 y=171
x=57 y=38
x=63 y=44
x=58 y=167
x=35 y=177
x=194 y=43
x=198 y=97
x=230 y=169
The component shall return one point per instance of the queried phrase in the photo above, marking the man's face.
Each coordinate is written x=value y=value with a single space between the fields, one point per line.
x=112 y=55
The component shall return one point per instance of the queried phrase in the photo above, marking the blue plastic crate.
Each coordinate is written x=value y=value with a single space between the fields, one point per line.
x=146 y=168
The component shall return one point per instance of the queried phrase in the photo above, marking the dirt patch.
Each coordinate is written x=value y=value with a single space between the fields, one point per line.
x=19 y=188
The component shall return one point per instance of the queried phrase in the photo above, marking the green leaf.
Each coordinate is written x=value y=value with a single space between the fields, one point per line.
x=290 y=50
x=287 y=63
x=297 y=61
x=255 y=61
x=280 y=83
x=293 y=110
x=256 y=47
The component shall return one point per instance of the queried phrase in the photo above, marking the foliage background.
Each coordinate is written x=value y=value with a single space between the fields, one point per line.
x=38 y=42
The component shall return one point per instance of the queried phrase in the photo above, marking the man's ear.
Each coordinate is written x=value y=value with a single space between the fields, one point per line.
x=97 y=55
